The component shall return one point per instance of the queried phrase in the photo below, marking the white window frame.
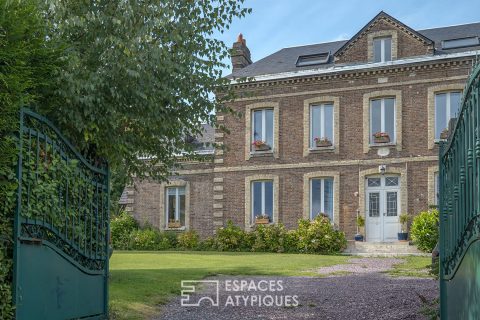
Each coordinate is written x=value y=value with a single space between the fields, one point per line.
x=177 y=203
x=382 y=119
x=322 y=196
x=448 y=109
x=264 y=128
x=322 y=122
x=252 y=213
x=382 y=48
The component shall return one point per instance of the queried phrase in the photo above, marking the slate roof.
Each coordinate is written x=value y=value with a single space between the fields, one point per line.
x=285 y=59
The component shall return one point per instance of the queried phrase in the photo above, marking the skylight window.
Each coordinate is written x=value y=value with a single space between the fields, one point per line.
x=460 y=43
x=313 y=59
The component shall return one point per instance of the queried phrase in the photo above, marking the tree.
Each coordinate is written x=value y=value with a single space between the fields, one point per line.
x=28 y=62
x=140 y=76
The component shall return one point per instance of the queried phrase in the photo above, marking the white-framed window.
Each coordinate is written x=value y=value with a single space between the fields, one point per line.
x=321 y=197
x=262 y=199
x=321 y=124
x=382 y=49
x=436 y=182
x=447 y=105
x=262 y=129
x=175 y=205
x=382 y=118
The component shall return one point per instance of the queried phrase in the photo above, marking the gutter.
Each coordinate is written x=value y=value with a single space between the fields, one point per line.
x=335 y=69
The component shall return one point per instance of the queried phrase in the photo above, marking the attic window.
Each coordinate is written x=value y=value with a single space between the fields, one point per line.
x=460 y=43
x=313 y=59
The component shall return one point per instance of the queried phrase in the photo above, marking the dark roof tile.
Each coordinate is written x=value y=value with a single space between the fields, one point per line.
x=285 y=59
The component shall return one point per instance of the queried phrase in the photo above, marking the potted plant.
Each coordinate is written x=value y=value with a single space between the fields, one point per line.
x=174 y=224
x=322 y=142
x=444 y=134
x=403 y=236
x=259 y=145
x=262 y=219
x=381 y=137
x=360 y=224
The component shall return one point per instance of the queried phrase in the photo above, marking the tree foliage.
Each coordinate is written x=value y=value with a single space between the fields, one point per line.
x=28 y=63
x=140 y=76
x=120 y=78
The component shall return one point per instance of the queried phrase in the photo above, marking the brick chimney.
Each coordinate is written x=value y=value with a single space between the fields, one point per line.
x=240 y=54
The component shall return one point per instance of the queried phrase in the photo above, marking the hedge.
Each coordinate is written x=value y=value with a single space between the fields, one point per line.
x=316 y=236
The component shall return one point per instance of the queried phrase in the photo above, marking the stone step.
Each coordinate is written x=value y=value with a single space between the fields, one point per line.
x=382 y=249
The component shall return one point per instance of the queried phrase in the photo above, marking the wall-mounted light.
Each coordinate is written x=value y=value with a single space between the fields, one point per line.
x=382 y=169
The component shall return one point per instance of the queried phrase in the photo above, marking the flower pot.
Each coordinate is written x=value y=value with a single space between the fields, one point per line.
x=402 y=236
x=174 y=225
x=323 y=144
x=358 y=237
x=262 y=147
x=262 y=221
x=381 y=139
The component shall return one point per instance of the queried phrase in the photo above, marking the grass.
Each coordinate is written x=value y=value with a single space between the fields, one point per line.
x=140 y=281
x=413 y=266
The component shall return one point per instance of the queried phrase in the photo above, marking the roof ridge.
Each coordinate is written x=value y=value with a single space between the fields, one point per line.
x=314 y=44
x=449 y=26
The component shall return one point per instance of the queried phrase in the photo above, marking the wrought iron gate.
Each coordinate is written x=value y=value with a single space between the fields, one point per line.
x=460 y=210
x=61 y=227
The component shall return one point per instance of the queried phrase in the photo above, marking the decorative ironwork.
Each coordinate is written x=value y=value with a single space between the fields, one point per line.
x=460 y=181
x=39 y=232
x=63 y=206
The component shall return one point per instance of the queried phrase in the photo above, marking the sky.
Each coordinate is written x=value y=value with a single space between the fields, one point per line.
x=277 y=24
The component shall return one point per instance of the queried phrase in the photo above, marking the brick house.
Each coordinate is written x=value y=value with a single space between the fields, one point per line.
x=344 y=128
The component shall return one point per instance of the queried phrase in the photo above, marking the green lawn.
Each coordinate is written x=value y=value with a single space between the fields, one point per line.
x=140 y=281
x=413 y=266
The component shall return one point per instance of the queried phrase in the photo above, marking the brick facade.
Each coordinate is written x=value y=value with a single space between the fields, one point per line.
x=219 y=189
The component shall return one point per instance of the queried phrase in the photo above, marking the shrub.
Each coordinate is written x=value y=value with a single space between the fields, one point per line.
x=207 y=244
x=232 y=238
x=146 y=239
x=271 y=238
x=121 y=228
x=319 y=236
x=170 y=239
x=188 y=240
x=424 y=230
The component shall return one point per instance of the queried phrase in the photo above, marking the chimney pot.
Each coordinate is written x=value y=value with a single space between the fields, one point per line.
x=240 y=54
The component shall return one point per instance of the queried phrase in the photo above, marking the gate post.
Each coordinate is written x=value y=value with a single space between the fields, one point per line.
x=18 y=210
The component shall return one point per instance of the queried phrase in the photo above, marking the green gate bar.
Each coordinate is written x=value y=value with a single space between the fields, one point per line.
x=61 y=227
x=459 y=179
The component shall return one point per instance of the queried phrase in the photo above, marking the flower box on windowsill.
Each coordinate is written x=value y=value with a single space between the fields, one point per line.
x=264 y=147
x=381 y=137
x=444 y=134
x=174 y=225
x=262 y=220
x=259 y=145
x=323 y=143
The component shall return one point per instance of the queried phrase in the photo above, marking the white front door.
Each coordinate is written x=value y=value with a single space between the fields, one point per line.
x=382 y=208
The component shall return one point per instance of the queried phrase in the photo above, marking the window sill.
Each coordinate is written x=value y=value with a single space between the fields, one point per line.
x=261 y=153
x=176 y=229
x=321 y=149
x=379 y=145
x=262 y=224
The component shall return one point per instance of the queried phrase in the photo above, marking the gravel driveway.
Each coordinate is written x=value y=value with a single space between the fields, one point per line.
x=364 y=294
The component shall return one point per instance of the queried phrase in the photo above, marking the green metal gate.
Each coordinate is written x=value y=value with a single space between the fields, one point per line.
x=460 y=210
x=61 y=227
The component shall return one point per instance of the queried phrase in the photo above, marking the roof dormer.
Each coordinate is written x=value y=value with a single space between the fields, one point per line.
x=384 y=39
